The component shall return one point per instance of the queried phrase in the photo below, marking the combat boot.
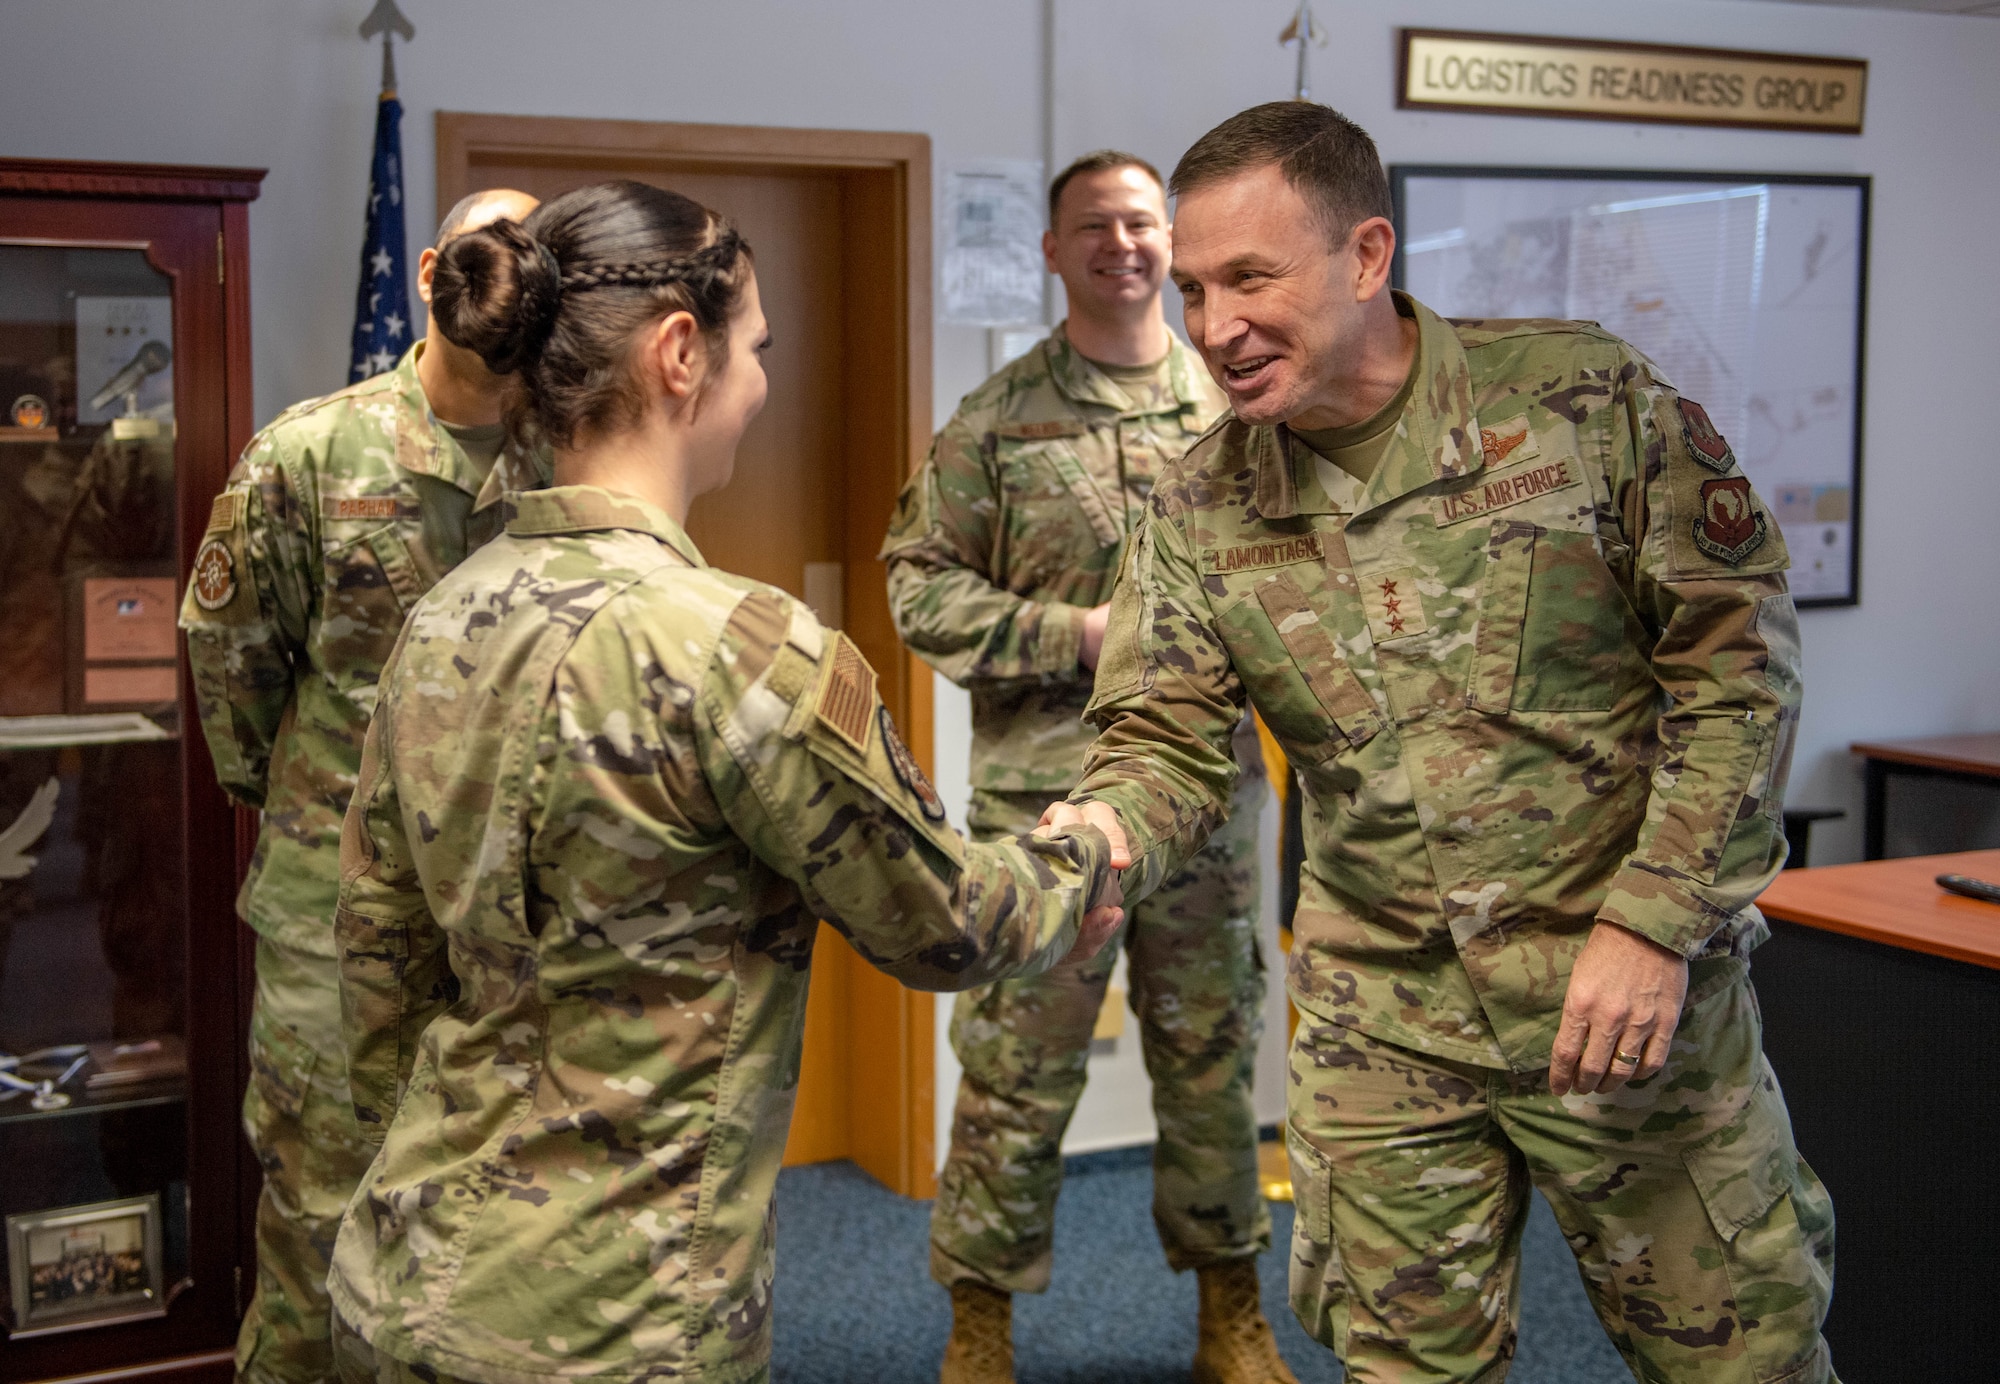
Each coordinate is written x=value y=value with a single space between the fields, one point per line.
x=1236 y=1346
x=981 y=1349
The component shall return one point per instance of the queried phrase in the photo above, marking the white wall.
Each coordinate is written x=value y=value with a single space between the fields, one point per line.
x=288 y=86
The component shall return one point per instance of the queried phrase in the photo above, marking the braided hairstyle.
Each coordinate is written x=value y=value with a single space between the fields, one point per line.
x=556 y=301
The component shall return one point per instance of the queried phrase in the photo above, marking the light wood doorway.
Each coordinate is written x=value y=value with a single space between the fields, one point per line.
x=839 y=221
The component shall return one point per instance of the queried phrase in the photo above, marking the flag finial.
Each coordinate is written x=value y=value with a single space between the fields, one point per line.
x=1303 y=30
x=385 y=19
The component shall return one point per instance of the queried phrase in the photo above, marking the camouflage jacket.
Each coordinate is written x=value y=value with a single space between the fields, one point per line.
x=1015 y=527
x=1542 y=669
x=338 y=516
x=607 y=794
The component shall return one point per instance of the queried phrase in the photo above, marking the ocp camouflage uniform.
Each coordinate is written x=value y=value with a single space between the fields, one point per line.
x=338 y=516
x=1001 y=544
x=1541 y=670
x=608 y=794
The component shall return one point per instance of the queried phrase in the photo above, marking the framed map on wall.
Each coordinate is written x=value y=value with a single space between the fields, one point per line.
x=1748 y=290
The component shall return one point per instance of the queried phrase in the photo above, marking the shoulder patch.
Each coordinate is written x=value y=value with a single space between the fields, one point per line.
x=1278 y=552
x=214 y=581
x=1509 y=487
x=1731 y=526
x=1705 y=444
x=909 y=773
x=846 y=693
x=226 y=513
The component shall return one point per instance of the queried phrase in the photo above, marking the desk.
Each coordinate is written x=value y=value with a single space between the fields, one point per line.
x=1881 y=1002
x=1967 y=758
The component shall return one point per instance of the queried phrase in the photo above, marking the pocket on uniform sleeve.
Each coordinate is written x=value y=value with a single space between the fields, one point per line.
x=1718 y=763
x=1743 y=1168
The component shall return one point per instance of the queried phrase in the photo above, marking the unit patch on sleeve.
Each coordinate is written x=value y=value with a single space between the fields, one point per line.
x=1708 y=446
x=1731 y=526
x=226 y=512
x=909 y=773
x=214 y=576
x=846 y=693
x=1510 y=487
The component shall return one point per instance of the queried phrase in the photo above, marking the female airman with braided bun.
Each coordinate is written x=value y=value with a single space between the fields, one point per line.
x=607 y=795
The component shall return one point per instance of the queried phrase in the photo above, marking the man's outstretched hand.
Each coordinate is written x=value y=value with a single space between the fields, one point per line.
x=1618 y=1021
x=1068 y=814
x=1107 y=910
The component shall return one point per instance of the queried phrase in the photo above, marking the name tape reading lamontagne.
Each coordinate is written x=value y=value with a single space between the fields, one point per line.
x=1602 y=80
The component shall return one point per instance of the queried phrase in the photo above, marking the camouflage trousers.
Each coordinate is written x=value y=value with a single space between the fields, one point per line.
x=1197 y=988
x=1703 y=1239
x=357 y=1362
x=301 y=1127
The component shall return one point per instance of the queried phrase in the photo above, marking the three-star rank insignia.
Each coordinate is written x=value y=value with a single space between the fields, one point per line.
x=908 y=772
x=1731 y=526
x=1394 y=606
x=214 y=576
x=1705 y=444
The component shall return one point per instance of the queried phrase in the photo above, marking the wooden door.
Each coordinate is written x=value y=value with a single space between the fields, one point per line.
x=838 y=222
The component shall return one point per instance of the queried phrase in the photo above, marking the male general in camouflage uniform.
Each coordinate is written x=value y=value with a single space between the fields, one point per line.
x=1001 y=560
x=1511 y=605
x=608 y=794
x=338 y=516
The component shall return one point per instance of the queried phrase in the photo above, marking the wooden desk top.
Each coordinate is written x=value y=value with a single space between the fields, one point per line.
x=1898 y=903
x=1961 y=754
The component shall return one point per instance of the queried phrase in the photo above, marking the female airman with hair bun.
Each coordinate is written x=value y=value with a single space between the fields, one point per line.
x=607 y=796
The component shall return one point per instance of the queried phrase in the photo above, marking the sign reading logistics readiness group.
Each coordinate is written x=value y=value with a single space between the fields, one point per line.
x=1515 y=74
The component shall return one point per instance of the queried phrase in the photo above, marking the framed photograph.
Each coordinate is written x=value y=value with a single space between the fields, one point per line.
x=83 y=1266
x=1749 y=290
x=122 y=638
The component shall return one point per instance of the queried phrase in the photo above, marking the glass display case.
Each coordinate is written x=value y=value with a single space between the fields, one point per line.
x=124 y=395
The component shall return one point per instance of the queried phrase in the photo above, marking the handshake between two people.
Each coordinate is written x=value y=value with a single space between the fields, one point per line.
x=1620 y=1010
x=1107 y=911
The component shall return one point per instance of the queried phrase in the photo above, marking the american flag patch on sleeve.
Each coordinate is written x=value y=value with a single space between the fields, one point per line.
x=846 y=693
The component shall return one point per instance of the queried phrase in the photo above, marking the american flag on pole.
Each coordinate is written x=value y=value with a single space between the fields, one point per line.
x=382 y=303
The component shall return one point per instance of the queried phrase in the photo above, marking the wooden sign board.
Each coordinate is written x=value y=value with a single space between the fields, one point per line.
x=1518 y=74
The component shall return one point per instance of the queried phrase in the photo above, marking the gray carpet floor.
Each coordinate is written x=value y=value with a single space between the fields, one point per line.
x=855 y=1303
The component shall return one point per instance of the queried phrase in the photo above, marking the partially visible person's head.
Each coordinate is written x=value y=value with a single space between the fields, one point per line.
x=607 y=303
x=1108 y=236
x=469 y=213
x=1282 y=248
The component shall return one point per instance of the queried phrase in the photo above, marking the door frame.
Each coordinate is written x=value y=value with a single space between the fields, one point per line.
x=890 y=1031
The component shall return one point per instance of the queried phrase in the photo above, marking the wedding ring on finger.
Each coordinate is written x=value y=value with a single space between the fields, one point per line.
x=1629 y=1058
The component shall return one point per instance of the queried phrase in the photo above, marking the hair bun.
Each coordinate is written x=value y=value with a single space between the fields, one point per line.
x=495 y=292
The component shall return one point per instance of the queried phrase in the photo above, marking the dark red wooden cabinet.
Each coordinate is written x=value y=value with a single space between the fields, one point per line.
x=125 y=1184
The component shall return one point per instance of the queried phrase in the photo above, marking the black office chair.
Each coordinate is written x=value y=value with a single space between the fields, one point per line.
x=1798 y=831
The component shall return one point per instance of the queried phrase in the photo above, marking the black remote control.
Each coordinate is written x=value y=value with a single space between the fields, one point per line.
x=1970 y=887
